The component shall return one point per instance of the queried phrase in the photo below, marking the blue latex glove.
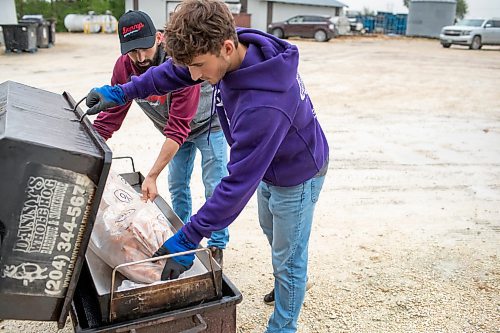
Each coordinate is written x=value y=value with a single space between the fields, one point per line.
x=175 y=266
x=105 y=97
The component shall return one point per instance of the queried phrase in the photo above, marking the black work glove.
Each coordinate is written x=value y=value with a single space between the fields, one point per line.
x=177 y=265
x=172 y=268
x=105 y=97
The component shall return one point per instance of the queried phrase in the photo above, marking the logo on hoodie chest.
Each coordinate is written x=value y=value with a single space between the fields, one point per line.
x=302 y=87
x=218 y=104
x=218 y=100
x=303 y=93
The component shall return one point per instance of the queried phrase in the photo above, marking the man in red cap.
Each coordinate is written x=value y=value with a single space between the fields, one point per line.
x=184 y=117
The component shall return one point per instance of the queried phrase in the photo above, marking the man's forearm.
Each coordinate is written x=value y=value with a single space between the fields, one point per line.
x=167 y=152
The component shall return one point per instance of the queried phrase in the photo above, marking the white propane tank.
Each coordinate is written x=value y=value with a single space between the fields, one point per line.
x=342 y=24
x=90 y=23
x=109 y=23
x=79 y=23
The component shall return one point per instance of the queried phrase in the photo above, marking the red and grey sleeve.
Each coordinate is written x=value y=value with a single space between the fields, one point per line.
x=183 y=108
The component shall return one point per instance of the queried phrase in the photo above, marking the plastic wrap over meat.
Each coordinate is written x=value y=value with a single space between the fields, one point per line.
x=128 y=229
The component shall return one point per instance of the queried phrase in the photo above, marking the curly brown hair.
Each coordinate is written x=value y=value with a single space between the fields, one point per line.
x=198 y=27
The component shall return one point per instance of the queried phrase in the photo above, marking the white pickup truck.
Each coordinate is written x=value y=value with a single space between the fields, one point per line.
x=473 y=33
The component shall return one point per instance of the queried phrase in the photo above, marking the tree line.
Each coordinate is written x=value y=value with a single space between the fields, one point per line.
x=58 y=9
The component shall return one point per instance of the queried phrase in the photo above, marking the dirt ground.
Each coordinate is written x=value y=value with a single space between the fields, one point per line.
x=407 y=230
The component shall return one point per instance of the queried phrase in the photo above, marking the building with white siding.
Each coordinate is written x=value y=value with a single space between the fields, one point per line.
x=256 y=14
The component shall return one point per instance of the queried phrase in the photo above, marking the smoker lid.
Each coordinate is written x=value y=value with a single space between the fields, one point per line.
x=40 y=116
x=42 y=140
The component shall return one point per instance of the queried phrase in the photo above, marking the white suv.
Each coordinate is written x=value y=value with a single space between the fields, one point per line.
x=472 y=32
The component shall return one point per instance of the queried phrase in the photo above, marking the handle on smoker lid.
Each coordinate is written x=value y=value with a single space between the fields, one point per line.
x=166 y=256
x=197 y=318
x=126 y=157
x=202 y=325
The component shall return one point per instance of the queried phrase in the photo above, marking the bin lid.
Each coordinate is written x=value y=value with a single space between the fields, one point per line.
x=38 y=18
x=33 y=22
x=52 y=176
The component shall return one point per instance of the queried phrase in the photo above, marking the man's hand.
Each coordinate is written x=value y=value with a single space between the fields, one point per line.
x=175 y=266
x=105 y=97
x=149 y=189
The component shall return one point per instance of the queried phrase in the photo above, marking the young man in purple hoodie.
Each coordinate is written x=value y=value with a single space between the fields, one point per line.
x=277 y=145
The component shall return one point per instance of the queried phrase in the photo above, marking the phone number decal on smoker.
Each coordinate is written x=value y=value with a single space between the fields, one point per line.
x=77 y=209
x=41 y=250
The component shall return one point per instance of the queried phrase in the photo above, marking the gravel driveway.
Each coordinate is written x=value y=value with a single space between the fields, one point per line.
x=407 y=231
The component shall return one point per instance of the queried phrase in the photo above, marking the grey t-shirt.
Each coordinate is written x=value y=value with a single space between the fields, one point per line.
x=158 y=112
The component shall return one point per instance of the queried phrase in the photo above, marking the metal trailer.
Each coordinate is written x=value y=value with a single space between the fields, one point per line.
x=209 y=304
x=217 y=316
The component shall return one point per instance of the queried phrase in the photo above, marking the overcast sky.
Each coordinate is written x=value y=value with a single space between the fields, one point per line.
x=477 y=8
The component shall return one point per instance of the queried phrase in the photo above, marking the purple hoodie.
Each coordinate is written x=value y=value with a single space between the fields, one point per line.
x=267 y=118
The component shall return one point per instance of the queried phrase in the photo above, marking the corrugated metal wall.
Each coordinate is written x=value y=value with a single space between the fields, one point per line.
x=258 y=10
x=156 y=9
x=8 y=12
x=7 y=15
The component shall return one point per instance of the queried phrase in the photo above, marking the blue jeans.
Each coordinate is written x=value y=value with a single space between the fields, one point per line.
x=285 y=215
x=214 y=168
